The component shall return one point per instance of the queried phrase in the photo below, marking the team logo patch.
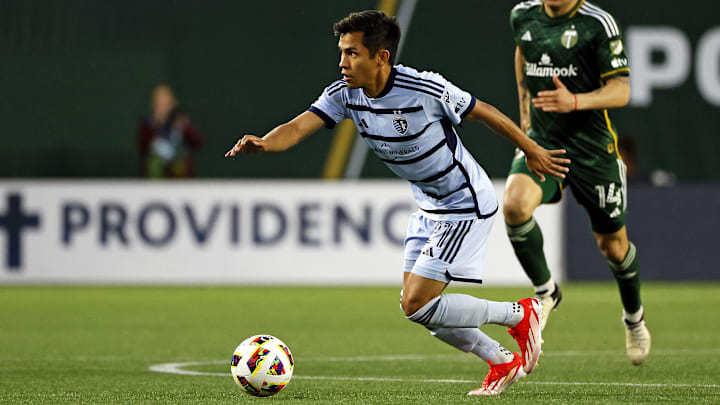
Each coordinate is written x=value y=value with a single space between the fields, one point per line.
x=616 y=47
x=400 y=124
x=569 y=38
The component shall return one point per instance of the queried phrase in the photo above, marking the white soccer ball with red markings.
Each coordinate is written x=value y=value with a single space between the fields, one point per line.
x=262 y=365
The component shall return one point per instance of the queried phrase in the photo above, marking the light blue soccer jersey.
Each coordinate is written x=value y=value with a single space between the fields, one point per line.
x=409 y=126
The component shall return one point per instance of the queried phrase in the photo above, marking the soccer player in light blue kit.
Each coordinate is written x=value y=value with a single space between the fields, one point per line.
x=407 y=119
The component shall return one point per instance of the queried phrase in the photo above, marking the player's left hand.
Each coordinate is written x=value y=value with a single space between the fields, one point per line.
x=541 y=161
x=558 y=100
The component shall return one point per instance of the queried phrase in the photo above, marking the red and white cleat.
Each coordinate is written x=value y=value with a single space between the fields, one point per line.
x=500 y=376
x=527 y=333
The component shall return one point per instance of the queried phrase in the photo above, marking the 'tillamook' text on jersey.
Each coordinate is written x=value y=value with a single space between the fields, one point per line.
x=409 y=126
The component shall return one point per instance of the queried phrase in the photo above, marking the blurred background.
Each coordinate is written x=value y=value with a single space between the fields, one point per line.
x=100 y=97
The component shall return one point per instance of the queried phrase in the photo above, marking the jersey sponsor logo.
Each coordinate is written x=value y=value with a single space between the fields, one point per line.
x=538 y=70
x=618 y=62
x=400 y=124
x=616 y=47
x=527 y=36
x=569 y=38
x=386 y=150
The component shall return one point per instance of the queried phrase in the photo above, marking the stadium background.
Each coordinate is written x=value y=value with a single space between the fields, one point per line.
x=76 y=75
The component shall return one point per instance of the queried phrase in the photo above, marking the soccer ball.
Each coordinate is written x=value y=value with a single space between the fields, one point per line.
x=262 y=365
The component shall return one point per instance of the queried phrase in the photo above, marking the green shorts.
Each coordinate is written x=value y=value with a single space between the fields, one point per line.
x=603 y=193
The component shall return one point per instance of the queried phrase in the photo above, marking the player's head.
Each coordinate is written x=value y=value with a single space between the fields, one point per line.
x=368 y=41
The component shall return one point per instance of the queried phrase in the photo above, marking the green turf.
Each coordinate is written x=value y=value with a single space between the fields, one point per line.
x=93 y=345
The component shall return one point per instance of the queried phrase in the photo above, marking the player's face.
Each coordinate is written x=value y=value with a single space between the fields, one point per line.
x=356 y=65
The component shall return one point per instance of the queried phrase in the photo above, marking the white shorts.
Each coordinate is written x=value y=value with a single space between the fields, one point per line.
x=448 y=249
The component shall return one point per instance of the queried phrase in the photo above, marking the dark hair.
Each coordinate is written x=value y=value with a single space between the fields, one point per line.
x=380 y=30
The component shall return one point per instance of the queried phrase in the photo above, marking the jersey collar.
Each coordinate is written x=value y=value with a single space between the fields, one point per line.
x=388 y=84
x=570 y=14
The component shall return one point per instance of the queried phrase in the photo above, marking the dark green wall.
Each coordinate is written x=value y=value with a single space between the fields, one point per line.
x=76 y=76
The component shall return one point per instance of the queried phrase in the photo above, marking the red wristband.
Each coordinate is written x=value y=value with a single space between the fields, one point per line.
x=575 y=97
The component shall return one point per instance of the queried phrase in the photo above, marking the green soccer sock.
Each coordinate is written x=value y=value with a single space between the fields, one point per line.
x=628 y=280
x=527 y=241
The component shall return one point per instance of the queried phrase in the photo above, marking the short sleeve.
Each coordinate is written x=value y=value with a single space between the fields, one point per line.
x=455 y=103
x=330 y=106
x=611 y=57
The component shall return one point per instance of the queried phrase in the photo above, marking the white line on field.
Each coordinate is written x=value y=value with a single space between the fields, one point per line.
x=178 y=368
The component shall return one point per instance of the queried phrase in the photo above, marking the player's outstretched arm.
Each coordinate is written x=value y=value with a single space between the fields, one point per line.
x=614 y=94
x=523 y=91
x=540 y=161
x=281 y=138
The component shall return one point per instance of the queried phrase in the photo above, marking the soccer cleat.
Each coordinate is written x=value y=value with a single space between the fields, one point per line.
x=637 y=341
x=500 y=377
x=549 y=303
x=527 y=333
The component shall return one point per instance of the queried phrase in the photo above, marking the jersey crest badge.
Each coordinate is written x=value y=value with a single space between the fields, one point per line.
x=616 y=47
x=569 y=38
x=527 y=36
x=400 y=124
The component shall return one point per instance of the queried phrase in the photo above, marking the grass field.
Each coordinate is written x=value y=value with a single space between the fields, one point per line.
x=94 y=345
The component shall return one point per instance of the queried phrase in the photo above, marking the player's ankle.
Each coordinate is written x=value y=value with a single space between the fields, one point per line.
x=546 y=288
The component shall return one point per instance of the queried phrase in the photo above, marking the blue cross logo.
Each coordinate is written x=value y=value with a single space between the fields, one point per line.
x=13 y=221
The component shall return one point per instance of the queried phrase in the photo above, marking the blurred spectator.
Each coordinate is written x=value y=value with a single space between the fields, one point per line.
x=167 y=138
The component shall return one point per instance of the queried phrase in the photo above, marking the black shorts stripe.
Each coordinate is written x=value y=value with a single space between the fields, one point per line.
x=440 y=86
x=462 y=239
x=464 y=280
x=441 y=242
x=464 y=227
x=396 y=138
x=418 y=158
x=451 y=241
x=437 y=176
x=398 y=110
x=436 y=95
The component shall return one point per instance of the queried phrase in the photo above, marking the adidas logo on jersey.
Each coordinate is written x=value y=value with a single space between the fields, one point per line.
x=427 y=252
x=526 y=36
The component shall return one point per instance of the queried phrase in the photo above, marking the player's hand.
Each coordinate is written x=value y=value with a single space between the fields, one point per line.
x=248 y=144
x=541 y=161
x=558 y=100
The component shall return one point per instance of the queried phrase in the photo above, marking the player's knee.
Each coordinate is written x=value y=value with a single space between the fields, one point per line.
x=516 y=210
x=613 y=249
x=411 y=304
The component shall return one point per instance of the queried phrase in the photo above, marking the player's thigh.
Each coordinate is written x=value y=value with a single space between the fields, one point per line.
x=602 y=192
x=524 y=191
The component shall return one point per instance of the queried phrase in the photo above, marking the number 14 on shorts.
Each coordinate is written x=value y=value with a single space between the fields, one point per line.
x=614 y=195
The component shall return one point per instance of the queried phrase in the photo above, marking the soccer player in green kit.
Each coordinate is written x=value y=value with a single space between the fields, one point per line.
x=571 y=67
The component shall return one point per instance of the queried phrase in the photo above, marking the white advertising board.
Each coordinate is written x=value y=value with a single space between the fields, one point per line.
x=225 y=232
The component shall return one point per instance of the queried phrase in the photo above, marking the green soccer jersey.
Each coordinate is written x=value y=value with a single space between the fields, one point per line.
x=583 y=48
